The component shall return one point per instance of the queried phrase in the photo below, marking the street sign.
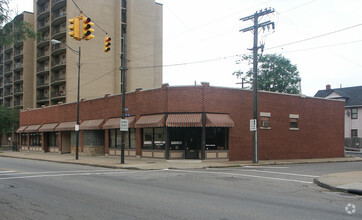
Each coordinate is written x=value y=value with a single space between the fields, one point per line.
x=127 y=115
x=252 y=124
x=124 y=125
x=76 y=127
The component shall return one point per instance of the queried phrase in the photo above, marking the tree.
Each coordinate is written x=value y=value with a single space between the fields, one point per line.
x=9 y=120
x=275 y=73
x=23 y=30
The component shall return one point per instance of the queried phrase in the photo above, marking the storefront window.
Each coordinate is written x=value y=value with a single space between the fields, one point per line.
x=147 y=138
x=24 y=139
x=53 y=139
x=154 y=138
x=176 y=138
x=129 y=142
x=159 y=138
x=35 y=139
x=216 y=139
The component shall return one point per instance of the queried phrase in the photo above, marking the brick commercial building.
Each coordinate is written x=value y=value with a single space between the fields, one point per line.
x=193 y=122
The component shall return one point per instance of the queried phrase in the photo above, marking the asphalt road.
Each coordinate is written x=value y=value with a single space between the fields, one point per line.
x=42 y=190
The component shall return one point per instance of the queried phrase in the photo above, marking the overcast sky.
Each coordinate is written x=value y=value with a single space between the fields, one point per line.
x=202 y=39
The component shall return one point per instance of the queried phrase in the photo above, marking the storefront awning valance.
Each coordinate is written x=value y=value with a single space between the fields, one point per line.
x=48 y=127
x=21 y=129
x=150 y=121
x=91 y=124
x=66 y=126
x=114 y=123
x=184 y=120
x=32 y=129
x=219 y=120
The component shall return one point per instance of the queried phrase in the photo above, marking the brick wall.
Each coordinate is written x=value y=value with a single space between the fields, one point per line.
x=321 y=122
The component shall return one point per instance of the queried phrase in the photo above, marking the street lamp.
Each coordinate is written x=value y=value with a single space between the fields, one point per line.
x=77 y=123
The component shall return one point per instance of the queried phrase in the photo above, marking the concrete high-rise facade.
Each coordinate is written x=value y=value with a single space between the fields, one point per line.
x=34 y=73
x=16 y=68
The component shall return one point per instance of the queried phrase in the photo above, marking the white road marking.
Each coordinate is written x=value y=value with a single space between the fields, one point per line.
x=244 y=175
x=289 y=174
x=267 y=167
x=61 y=171
x=70 y=173
x=5 y=172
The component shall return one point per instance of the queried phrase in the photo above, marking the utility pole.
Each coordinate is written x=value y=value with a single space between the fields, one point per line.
x=123 y=85
x=255 y=28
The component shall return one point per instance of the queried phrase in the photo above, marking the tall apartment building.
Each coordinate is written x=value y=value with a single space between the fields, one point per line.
x=56 y=65
x=34 y=73
x=16 y=68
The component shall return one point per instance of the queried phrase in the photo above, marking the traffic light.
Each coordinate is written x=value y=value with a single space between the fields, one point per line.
x=107 y=44
x=87 y=28
x=75 y=28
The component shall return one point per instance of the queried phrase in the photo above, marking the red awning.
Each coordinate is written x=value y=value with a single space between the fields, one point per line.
x=114 y=123
x=32 y=129
x=48 y=127
x=184 y=120
x=219 y=120
x=151 y=121
x=21 y=129
x=66 y=126
x=91 y=124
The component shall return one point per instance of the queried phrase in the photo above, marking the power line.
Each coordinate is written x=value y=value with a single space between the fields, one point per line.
x=81 y=11
x=188 y=63
x=311 y=38
x=86 y=83
x=325 y=46
x=76 y=6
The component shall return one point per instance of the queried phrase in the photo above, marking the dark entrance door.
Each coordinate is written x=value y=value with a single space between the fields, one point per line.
x=192 y=142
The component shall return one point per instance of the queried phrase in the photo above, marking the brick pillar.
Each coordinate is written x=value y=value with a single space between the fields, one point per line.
x=138 y=141
x=28 y=138
x=81 y=142
x=43 y=142
x=60 y=141
x=106 y=141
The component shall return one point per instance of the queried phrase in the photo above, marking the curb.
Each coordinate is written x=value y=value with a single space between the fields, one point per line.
x=336 y=189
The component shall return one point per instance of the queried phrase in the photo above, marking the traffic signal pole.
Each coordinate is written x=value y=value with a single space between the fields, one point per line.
x=123 y=90
x=255 y=28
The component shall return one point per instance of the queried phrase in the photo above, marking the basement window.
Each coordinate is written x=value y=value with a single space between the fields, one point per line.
x=265 y=120
x=293 y=122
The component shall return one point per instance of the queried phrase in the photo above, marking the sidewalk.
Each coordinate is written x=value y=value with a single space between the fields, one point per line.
x=346 y=182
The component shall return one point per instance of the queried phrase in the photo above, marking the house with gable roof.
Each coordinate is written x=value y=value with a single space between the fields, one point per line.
x=353 y=112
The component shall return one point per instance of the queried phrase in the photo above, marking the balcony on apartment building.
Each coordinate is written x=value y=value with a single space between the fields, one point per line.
x=8 y=48
x=8 y=59
x=58 y=32
x=41 y=84
x=8 y=71
x=43 y=12
x=41 y=70
x=18 y=66
x=58 y=49
x=42 y=55
x=18 y=103
x=7 y=104
x=58 y=94
x=43 y=26
x=18 y=78
x=18 y=91
x=56 y=65
x=58 y=17
x=8 y=82
x=42 y=98
x=18 y=53
x=58 y=79
x=43 y=41
x=58 y=4
x=8 y=93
